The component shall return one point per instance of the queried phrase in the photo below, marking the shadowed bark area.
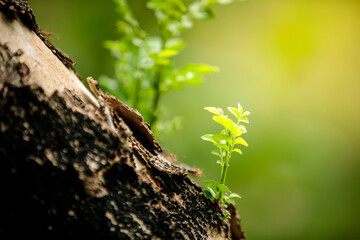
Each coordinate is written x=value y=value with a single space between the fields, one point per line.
x=65 y=171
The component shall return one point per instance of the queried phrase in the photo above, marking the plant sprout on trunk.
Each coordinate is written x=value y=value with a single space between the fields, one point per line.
x=225 y=143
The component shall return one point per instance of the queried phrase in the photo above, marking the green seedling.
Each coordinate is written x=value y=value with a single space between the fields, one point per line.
x=226 y=143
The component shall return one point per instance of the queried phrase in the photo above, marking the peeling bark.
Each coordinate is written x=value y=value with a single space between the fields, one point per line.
x=67 y=171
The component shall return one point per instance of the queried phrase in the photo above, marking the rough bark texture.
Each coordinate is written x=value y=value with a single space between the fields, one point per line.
x=66 y=171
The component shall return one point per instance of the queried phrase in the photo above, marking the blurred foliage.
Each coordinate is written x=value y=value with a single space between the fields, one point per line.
x=295 y=64
x=144 y=67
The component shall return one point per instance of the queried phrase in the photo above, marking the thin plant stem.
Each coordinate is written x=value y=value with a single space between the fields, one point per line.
x=227 y=158
x=158 y=81
x=156 y=99
x=137 y=92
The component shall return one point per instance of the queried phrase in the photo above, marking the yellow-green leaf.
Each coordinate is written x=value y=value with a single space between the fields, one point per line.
x=226 y=122
x=208 y=137
x=167 y=53
x=240 y=140
x=216 y=152
x=214 y=110
x=240 y=130
x=235 y=112
x=237 y=150
x=175 y=44
x=246 y=113
x=244 y=119
x=240 y=108
x=234 y=195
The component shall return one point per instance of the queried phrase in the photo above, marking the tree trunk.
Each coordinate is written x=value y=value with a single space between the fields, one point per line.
x=72 y=165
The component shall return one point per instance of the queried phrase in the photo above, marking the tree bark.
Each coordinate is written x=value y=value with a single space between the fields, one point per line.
x=72 y=165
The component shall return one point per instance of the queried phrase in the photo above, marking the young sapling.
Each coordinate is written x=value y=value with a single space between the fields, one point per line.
x=225 y=143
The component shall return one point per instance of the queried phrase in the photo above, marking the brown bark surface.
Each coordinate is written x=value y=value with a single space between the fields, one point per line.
x=74 y=166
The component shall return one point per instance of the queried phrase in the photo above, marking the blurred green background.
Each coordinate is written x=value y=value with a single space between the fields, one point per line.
x=295 y=65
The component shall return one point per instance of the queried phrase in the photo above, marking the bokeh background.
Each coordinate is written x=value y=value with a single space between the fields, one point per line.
x=295 y=65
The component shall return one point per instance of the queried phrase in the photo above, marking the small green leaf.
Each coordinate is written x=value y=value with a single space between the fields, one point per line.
x=222 y=188
x=246 y=113
x=199 y=68
x=226 y=216
x=217 y=139
x=167 y=53
x=226 y=122
x=209 y=193
x=222 y=138
x=161 y=58
x=214 y=110
x=230 y=200
x=223 y=146
x=235 y=112
x=244 y=119
x=189 y=78
x=240 y=130
x=216 y=152
x=199 y=11
x=175 y=44
x=162 y=61
x=237 y=150
x=234 y=195
x=240 y=140
x=208 y=137
x=210 y=183
x=240 y=108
